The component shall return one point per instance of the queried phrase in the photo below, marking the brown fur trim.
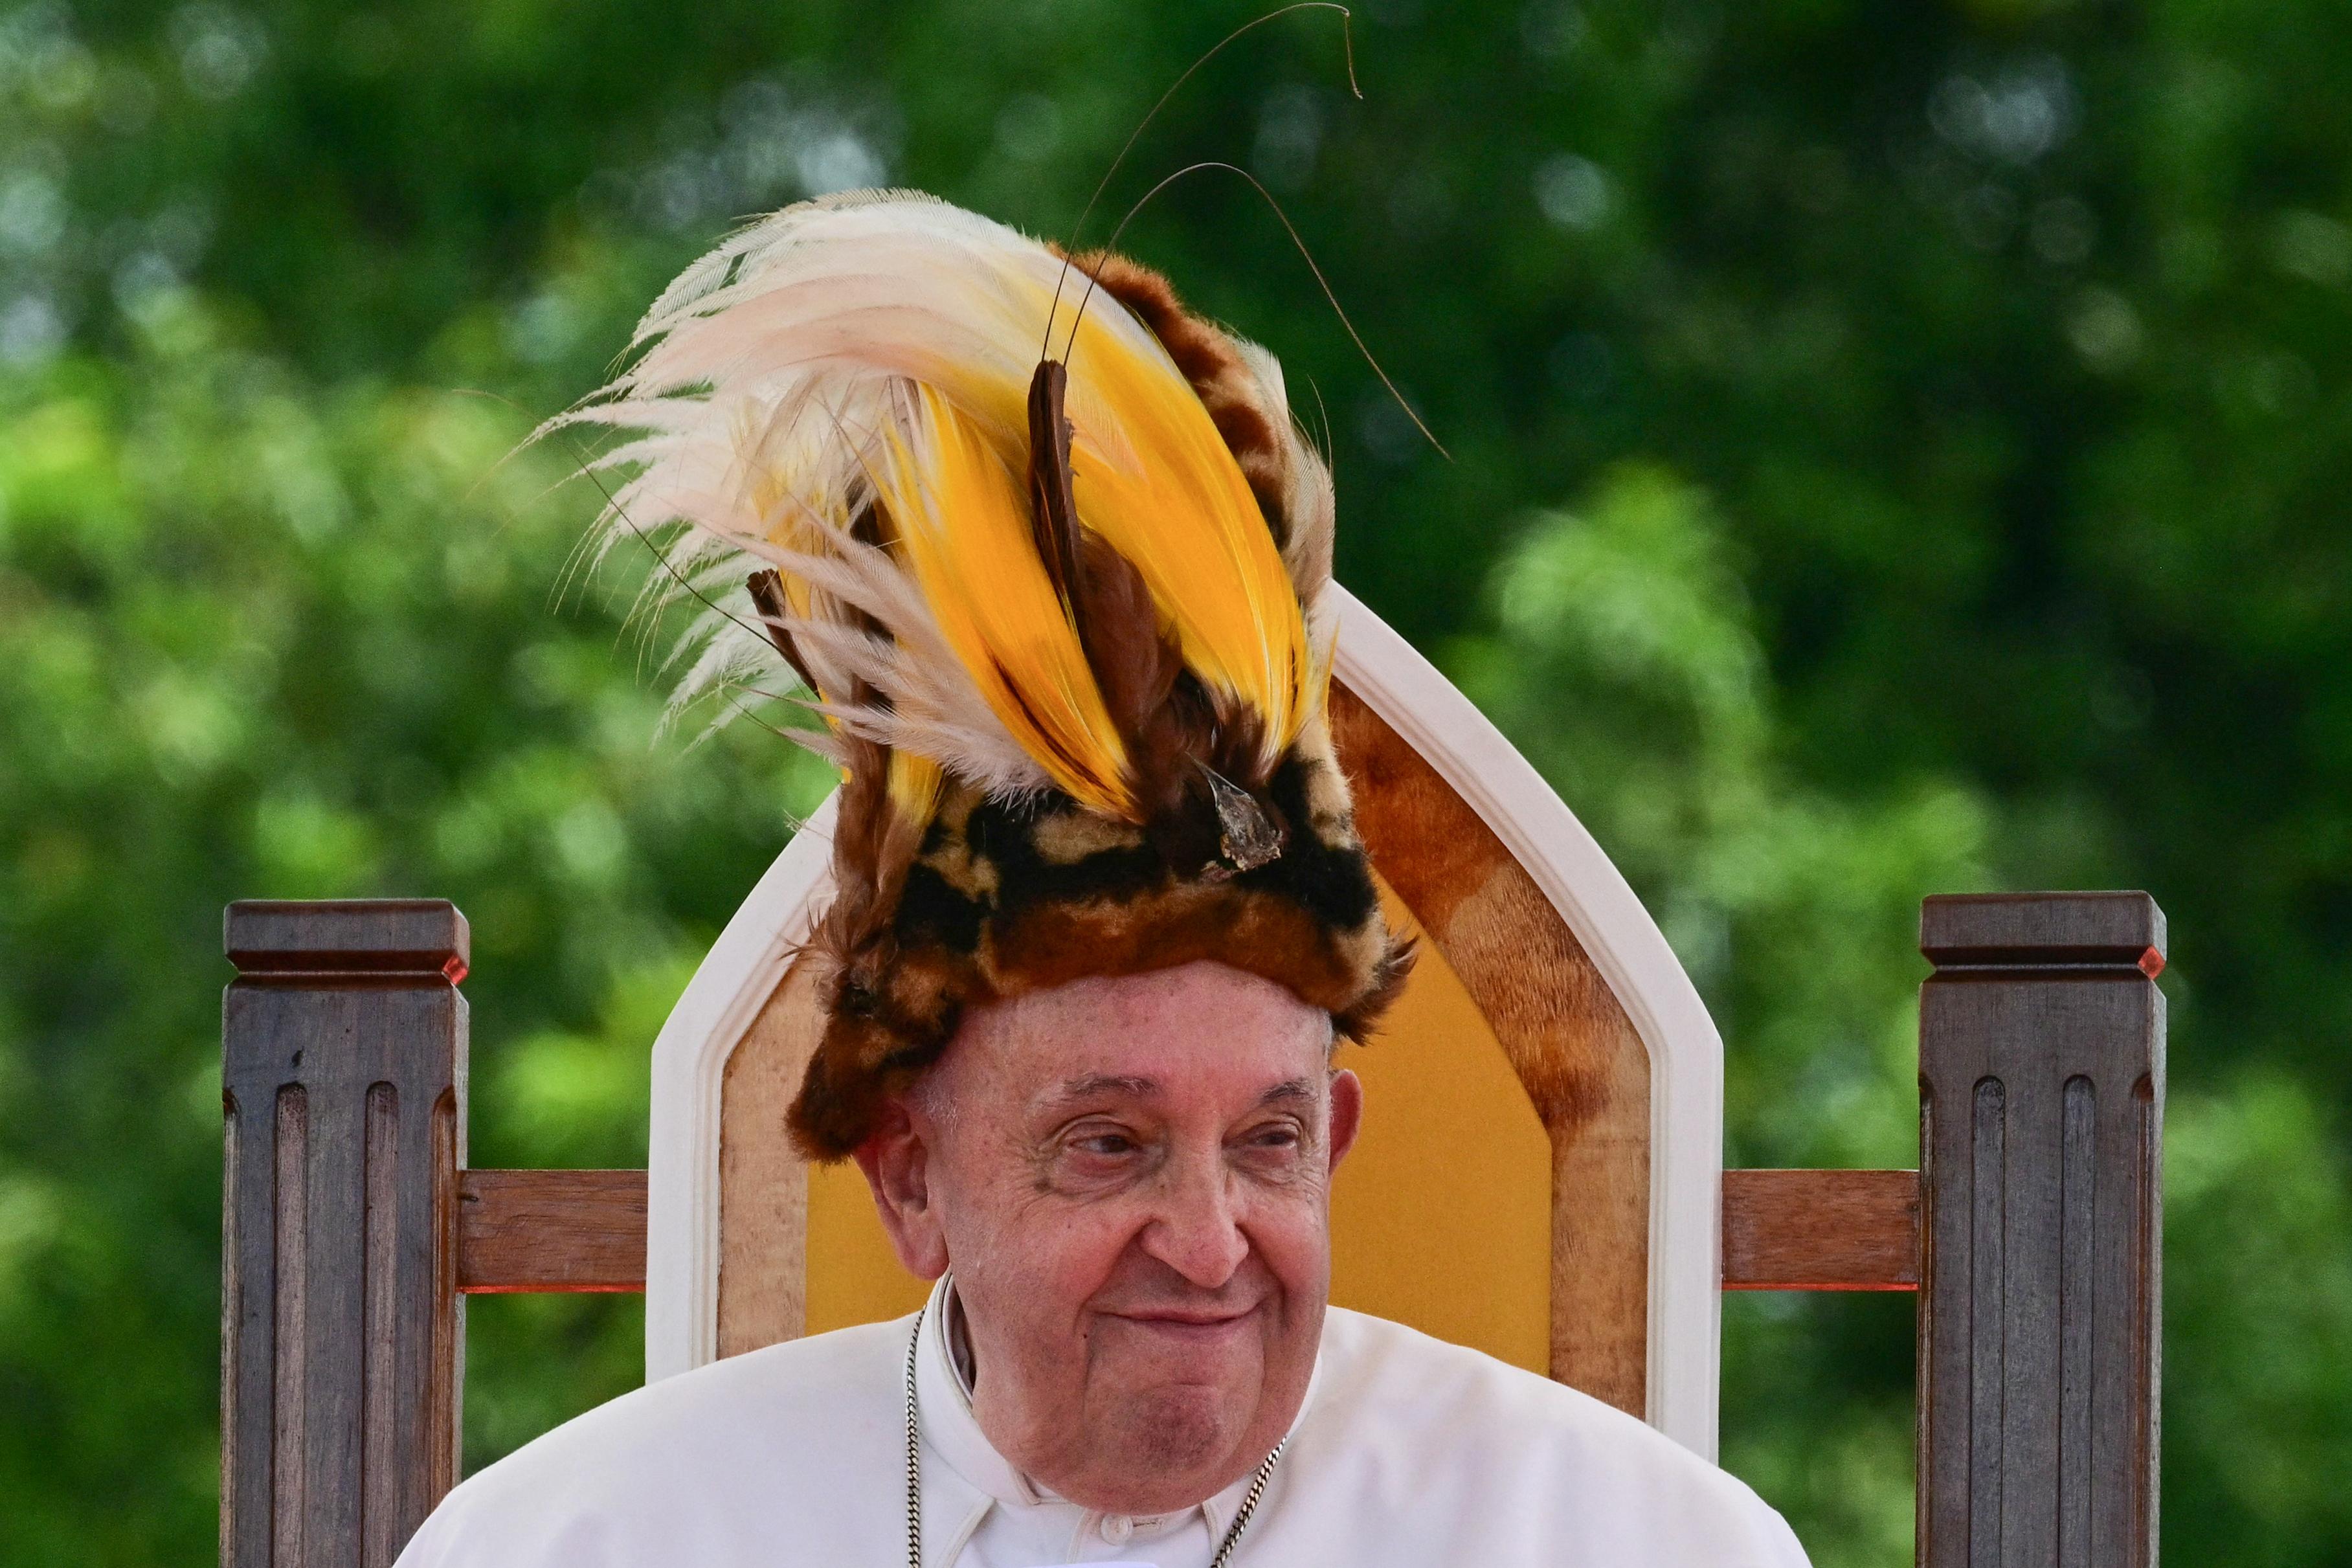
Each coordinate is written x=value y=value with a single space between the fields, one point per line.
x=1004 y=899
x=1263 y=933
x=867 y=1057
x=1360 y=1019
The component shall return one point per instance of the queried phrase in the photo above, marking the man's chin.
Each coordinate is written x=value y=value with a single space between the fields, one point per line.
x=1198 y=1419
x=1167 y=1447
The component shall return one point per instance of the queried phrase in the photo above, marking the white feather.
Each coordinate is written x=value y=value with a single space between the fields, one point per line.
x=770 y=382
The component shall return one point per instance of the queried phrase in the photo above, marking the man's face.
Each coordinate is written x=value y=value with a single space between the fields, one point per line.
x=1132 y=1179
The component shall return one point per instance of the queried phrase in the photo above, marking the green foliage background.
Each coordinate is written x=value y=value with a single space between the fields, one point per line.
x=1897 y=447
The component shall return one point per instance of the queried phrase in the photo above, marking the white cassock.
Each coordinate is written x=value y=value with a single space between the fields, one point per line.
x=1408 y=1453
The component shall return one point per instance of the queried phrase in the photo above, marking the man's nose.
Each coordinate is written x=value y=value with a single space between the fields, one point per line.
x=1197 y=1231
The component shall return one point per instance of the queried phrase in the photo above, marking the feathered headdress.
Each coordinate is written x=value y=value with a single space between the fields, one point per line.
x=1053 y=596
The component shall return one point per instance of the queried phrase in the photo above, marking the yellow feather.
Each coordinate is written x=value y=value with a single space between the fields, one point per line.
x=963 y=530
x=1152 y=475
x=914 y=786
x=1181 y=509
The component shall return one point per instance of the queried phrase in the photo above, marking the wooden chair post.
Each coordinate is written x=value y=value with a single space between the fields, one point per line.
x=2041 y=1112
x=343 y=1086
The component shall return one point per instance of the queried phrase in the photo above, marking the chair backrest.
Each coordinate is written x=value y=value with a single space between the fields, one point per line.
x=1544 y=1112
x=2031 y=1230
x=354 y=1229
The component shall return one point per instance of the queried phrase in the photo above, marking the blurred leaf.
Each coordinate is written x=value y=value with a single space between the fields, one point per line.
x=1947 y=417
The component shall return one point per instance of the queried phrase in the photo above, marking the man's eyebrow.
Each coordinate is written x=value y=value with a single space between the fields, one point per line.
x=1095 y=1086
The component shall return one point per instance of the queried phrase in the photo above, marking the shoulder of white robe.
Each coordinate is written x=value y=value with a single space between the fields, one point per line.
x=604 y=1487
x=1386 y=1374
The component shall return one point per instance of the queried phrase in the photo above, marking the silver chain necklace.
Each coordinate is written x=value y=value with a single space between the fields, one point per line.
x=1233 y=1532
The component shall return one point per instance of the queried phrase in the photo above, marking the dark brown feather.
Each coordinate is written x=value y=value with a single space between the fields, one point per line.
x=1134 y=660
x=768 y=598
x=1052 y=513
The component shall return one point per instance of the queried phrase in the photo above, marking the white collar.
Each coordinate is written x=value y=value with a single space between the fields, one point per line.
x=950 y=1429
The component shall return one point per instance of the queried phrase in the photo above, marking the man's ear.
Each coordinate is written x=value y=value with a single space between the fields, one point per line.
x=1347 y=1113
x=897 y=1160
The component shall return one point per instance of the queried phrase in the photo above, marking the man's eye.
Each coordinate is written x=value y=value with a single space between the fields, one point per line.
x=1105 y=1143
x=1281 y=1136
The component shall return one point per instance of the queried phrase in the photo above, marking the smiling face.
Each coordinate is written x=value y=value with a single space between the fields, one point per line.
x=1132 y=1179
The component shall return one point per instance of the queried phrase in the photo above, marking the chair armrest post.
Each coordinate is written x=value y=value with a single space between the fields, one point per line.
x=342 y=1334
x=2041 y=1112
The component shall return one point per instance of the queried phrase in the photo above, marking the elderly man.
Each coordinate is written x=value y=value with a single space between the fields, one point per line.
x=1045 y=552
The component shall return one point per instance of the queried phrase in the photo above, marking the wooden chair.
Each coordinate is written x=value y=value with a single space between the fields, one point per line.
x=1540 y=1174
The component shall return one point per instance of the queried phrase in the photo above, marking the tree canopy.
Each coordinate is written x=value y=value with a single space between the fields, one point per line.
x=1896 y=448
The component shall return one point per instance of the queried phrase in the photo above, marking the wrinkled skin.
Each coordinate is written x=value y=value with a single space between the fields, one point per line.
x=1132 y=1180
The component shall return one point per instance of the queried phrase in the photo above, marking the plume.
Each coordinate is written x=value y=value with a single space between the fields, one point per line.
x=841 y=406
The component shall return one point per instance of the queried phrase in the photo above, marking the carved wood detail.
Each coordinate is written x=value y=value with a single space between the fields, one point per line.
x=2041 y=1112
x=343 y=1081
